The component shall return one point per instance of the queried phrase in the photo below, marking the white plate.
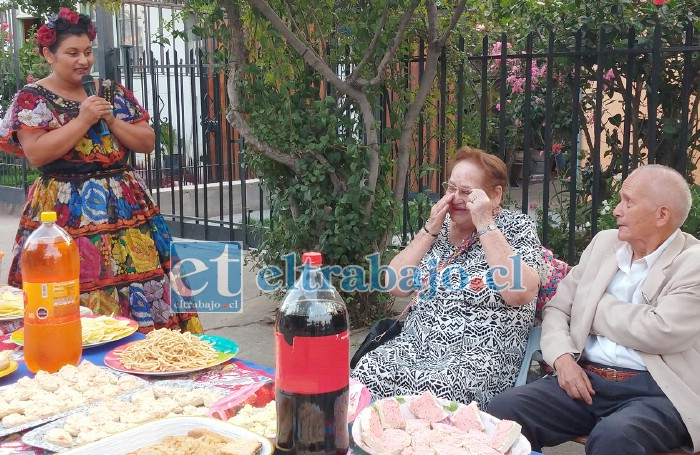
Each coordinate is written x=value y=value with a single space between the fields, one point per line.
x=12 y=318
x=154 y=432
x=521 y=446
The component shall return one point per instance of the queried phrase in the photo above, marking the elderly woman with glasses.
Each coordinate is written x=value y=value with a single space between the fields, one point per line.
x=475 y=271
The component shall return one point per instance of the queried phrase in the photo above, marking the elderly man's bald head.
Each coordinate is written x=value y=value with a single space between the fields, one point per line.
x=666 y=186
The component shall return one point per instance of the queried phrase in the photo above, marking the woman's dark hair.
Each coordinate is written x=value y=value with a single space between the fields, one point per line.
x=64 y=25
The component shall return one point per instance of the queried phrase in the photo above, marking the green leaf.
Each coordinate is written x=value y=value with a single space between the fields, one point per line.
x=452 y=407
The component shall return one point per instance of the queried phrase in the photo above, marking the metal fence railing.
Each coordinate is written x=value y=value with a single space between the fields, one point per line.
x=566 y=116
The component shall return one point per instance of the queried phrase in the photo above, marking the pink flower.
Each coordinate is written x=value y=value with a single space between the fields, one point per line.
x=518 y=122
x=30 y=79
x=518 y=85
x=90 y=260
x=557 y=147
x=479 y=27
x=610 y=75
x=4 y=26
x=541 y=152
x=539 y=100
x=498 y=106
x=659 y=2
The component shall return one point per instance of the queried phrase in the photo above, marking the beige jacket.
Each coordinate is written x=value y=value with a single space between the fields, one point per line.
x=666 y=332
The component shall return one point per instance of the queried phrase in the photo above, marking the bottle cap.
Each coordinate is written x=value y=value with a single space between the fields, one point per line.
x=48 y=217
x=312 y=258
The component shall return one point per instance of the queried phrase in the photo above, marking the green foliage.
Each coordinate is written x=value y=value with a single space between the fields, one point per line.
x=8 y=79
x=311 y=211
x=32 y=66
x=40 y=8
x=692 y=223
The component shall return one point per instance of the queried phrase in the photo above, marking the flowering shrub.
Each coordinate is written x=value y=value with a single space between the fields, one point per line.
x=516 y=102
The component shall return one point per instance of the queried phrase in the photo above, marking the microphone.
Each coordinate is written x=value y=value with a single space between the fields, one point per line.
x=89 y=87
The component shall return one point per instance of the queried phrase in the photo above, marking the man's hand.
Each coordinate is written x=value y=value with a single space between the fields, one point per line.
x=572 y=379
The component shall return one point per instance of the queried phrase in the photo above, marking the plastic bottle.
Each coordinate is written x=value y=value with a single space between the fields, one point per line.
x=312 y=367
x=50 y=267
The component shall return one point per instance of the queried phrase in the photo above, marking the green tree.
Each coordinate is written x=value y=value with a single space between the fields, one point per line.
x=313 y=135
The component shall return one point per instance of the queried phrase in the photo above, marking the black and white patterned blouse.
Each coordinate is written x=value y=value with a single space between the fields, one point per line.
x=464 y=342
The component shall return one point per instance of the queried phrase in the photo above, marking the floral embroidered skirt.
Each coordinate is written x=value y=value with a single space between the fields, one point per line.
x=124 y=246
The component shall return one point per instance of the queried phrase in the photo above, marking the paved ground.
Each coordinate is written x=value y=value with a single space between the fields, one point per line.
x=251 y=328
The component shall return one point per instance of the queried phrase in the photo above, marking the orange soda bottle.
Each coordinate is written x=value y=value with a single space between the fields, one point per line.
x=50 y=266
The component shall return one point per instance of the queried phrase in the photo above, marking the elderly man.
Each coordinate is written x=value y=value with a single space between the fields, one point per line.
x=623 y=333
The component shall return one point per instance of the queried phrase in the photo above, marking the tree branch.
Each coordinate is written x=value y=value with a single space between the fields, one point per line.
x=315 y=62
x=411 y=116
x=338 y=185
x=304 y=50
x=371 y=48
x=456 y=14
x=398 y=39
x=239 y=52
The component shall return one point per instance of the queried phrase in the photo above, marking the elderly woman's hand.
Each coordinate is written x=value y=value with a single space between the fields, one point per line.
x=480 y=207
x=438 y=213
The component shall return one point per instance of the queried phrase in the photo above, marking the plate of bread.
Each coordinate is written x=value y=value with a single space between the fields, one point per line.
x=424 y=424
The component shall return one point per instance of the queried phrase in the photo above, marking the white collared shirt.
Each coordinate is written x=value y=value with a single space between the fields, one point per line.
x=626 y=285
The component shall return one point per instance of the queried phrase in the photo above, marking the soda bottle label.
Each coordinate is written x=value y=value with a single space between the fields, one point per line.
x=313 y=364
x=43 y=301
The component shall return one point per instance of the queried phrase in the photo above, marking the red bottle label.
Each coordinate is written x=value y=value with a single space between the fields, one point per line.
x=312 y=364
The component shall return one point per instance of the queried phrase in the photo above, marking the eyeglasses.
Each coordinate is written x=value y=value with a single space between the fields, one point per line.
x=450 y=188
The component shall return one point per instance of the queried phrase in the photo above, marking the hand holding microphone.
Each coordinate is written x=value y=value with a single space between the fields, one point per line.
x=89 y=87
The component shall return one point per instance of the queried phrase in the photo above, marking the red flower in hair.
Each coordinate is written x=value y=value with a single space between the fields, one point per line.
x=46 y=36
x=69 y=15
x=92 y=33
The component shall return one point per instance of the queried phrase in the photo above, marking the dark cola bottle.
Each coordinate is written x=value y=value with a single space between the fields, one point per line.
x=312 y=368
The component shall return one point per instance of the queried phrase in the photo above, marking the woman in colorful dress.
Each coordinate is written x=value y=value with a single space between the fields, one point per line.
x=85 y=178
x=467 y=327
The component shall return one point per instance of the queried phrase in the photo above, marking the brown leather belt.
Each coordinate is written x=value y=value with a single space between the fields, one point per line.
x=611 y=374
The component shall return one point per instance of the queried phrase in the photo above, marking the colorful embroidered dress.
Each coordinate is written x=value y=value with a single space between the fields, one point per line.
x=123 y=240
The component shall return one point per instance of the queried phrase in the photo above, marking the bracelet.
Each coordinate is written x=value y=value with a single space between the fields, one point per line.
x=425 y=228
x=485 y=229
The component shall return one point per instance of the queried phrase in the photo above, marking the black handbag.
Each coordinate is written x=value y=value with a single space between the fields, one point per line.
x=381 y=331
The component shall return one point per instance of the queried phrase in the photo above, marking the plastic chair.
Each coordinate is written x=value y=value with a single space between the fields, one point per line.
x=532 y=353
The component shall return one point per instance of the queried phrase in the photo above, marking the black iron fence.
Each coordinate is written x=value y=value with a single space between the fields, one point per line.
x=572 y=119
x=197 y=173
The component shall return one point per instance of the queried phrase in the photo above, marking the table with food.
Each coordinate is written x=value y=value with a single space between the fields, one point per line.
x=177 y=393
x=165 y=392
